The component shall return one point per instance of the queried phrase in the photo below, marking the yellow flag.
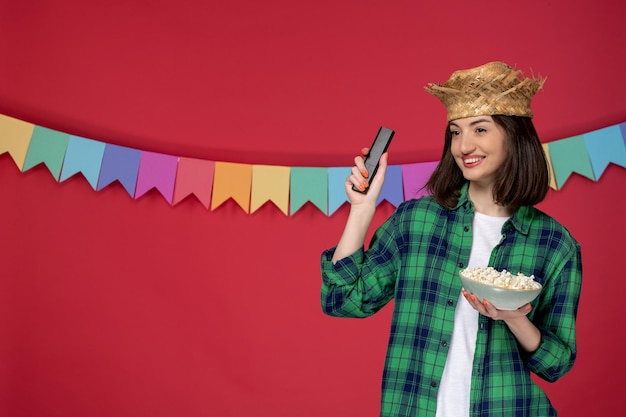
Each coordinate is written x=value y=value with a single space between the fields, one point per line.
x=14 y=138
x=270 y=183
x=546 y=150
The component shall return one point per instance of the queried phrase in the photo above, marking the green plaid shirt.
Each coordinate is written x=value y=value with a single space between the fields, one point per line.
x=414 y=258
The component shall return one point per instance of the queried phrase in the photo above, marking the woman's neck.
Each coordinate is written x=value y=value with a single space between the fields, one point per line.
x=482 y=198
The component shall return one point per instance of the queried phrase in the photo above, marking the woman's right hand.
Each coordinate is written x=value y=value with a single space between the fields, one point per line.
x=358 y=176
x=362 y=206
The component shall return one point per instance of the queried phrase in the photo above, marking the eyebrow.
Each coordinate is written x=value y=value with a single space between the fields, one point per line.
x=475 y=122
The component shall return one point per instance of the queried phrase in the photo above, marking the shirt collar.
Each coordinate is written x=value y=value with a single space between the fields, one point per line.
x=520 y=220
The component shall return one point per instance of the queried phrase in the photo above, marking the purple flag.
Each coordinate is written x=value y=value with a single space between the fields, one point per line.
x=157 y=171
x=121 y=164
x=415 y=178
x=392 y=188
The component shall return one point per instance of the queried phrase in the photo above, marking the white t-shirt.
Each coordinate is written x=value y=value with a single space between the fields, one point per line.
x=453 y=397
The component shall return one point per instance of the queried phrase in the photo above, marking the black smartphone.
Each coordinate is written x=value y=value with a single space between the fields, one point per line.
x=378 y=148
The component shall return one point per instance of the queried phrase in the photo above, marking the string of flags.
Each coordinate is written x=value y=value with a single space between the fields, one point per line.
x=251 y=186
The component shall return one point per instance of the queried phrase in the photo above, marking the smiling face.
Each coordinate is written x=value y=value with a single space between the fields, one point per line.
x=479 y=148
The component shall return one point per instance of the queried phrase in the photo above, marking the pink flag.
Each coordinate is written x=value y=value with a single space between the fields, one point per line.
x=194 y=176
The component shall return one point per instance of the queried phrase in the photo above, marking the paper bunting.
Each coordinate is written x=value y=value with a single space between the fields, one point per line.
x=252 y=186
x=84 y=156
x=605 y=146
x=546 y=150
x=14 y=138
x=392 y=188
x=119 y=164
x=156 y=171
x=46 y=146
x=415 y=177
x=270 y=183
x=336 y=188
x=232 y=181
x=309 y=184
x=194 y=176
x=569 y=156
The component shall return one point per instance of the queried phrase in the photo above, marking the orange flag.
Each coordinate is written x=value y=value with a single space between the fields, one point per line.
x=234 y=181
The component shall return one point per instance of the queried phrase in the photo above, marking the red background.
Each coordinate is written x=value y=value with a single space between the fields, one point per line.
x=111 y=306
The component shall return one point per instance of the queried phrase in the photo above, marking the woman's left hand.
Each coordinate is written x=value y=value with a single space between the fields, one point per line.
x=487 y=309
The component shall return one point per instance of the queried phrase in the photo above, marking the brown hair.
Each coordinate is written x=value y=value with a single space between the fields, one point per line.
x=523 y=179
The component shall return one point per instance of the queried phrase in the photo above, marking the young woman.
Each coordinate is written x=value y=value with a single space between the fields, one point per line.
x=448 y=353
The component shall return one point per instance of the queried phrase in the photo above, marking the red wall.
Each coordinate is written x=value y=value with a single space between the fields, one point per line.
x=111 y=306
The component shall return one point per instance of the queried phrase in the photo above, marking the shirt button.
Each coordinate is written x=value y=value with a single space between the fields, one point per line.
x=444 y=343
x=460 y=264
x=433 y=384
x=450 y=303
x=466 y=229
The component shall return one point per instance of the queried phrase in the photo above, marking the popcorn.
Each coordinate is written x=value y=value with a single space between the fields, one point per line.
x=490 y=276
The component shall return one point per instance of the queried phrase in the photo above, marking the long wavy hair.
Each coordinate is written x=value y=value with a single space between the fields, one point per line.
x=523 y=179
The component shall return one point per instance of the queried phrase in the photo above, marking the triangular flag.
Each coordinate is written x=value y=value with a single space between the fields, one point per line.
x=156 y=170
x=84 y=156
x=121 y=164
x=605 y=146
x=392 y=188
x=234 y=181
x=569 y=156
x=270 y=183
x=47 y=146
x=337 y=187
x=309 y=184
x=415 y=177
x=14 y=138
x=546 y=150
x=194 y=176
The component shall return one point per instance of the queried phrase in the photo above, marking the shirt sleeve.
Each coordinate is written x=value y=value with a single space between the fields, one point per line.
x=556 y=321
x=363 y=283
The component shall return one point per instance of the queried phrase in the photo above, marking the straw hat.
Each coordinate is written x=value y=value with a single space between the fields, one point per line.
x=490 y=89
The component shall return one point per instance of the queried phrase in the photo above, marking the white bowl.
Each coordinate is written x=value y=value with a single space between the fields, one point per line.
x=500 y=298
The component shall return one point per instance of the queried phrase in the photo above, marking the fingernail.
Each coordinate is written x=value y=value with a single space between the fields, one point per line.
x=361 y=187
x=365 y=174
x=485 y=303
x=473 y=297
x=365 y=184
x=364 y=151
x=464 y=293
